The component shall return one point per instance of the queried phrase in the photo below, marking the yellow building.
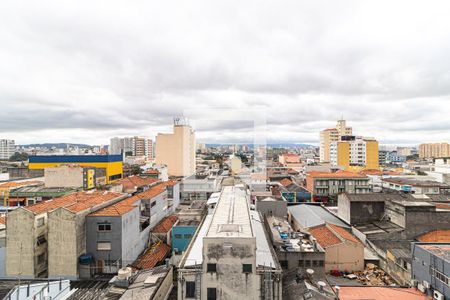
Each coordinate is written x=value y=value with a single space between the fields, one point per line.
x=111 y=164
x=355 y=153
x=331 y=135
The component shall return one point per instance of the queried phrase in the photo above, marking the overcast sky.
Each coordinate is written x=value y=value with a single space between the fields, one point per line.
x=90 y=70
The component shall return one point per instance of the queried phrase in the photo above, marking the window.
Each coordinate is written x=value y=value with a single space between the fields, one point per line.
x=178 y=236
x=104 y=226
x=301 y=264
x=153 y=204
x=307 y=263
x=103 y=246
x=188 y=236
x=320 y=263
x=211 y=293
x=315 y=263
x=40 y=222
x=190 y=289
x=211 y=268
x=41 y=258
x=246 y=268
x=115 y=177
x=41 y=240
x=284 y=264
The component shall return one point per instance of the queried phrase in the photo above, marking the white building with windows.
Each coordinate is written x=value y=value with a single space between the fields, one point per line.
x=7 y=148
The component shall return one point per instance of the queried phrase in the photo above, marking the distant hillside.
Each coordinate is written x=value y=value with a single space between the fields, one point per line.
x=57 y=145
x=273 y=145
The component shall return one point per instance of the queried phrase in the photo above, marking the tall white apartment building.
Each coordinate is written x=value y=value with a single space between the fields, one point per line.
x=7 y=148
x=135 y=146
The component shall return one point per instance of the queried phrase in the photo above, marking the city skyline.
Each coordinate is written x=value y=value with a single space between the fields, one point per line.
x=127 y=70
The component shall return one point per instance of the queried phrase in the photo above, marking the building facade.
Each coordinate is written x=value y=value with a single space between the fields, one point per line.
x=323 y=185
x=354 y=151
x=230 y=256
x=7 y=148
x=177 y=150
x=431 y=268
x=110 y=165
x=331 y=135
x=434 y=150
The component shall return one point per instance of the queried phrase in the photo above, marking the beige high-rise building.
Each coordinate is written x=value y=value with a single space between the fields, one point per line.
x=177 y=149
x=331 y=135
x=434 y=150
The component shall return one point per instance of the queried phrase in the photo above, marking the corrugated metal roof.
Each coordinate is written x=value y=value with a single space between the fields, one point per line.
x=314 y=215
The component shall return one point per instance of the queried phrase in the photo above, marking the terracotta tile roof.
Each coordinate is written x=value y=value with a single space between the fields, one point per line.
x=11 y=184
x=133 y=182
x=330 y=234
x=338 y=174
x=436 y=236
x=286 y=182
x=156 y=254
x=166 y=224
x=126 y=205
x=324 y=236
x=292 y=171
x=258 y=176
x=151 y=171
x=382 y=293
x=442 y=205
x=170 y=183
x=75 y=202
x=344 y=233
x=371 y=172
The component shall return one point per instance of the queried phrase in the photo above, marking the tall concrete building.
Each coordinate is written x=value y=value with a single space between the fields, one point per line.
x=355 y=151
x=434 y=150
x=132 y=146
x=331 y=135
x=341 y=148
x=177 y=149
x=7 y=148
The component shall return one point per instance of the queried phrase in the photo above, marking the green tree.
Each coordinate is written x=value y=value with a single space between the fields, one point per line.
x=19 y=156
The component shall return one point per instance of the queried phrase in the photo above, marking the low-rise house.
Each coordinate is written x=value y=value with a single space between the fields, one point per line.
x=343 y=251
x=46 y=239
x=295 y=250
x=74 y=176
x=416 y=186
x=29 y=195
x=163 y=230
x=134 y=184
x=325 y=187
x=119 y=233
x=293 y=192
x=304 y=216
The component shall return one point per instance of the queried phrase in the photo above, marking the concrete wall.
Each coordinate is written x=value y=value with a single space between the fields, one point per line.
x=347 y=256
x=182 y=243
x=293 y=259
x=134 y=241
x=114 y=236
x=229 y=280
x=272 y=208
x=64 y=176
x=62 y=250
x=359 y=212
x=20 y=243
x=165 y=287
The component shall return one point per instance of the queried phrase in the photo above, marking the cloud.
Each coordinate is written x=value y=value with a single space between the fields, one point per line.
x=84 y=72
